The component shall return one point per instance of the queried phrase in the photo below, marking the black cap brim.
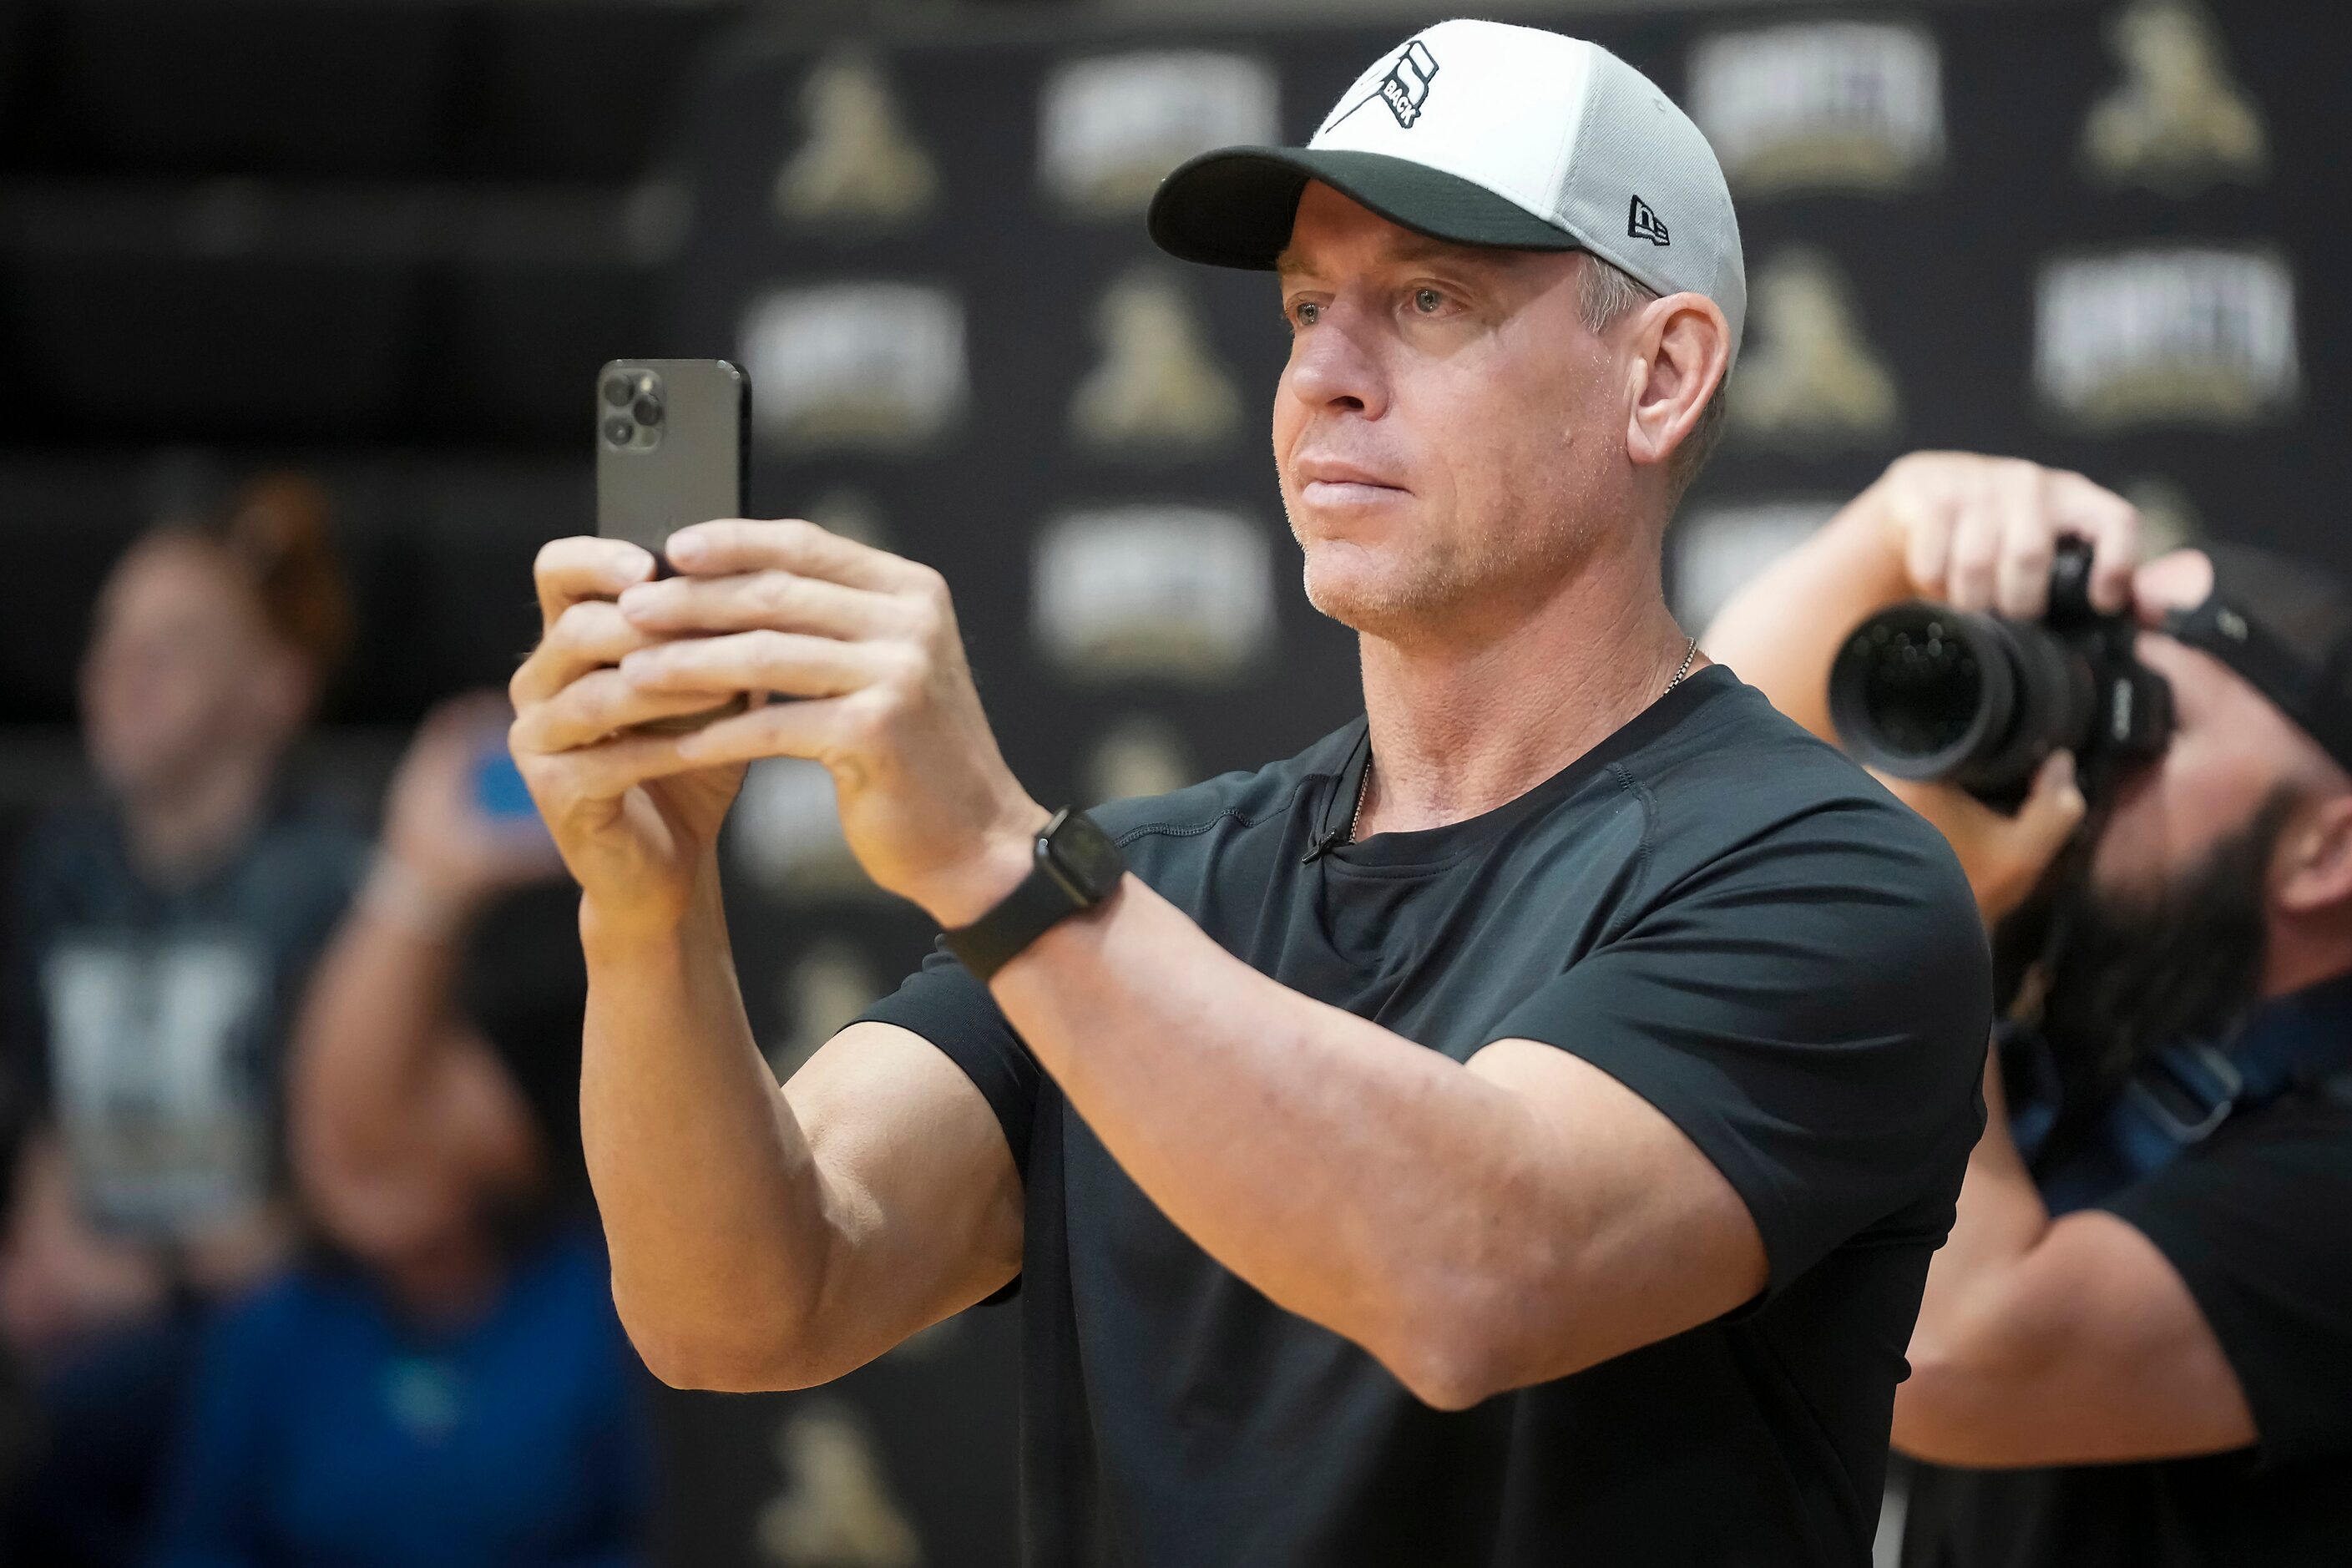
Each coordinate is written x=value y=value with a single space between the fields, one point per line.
x=1233 y=208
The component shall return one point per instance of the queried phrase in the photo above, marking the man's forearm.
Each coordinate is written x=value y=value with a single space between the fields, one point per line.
x=1359 y=1180
x=376 y=1010
x=707 y=1191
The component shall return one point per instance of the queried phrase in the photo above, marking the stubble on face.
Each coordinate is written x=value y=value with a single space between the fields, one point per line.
x=1449 y=567
x=1490 y=427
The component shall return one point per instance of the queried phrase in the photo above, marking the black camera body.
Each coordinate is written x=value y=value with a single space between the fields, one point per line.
x=1921 y=691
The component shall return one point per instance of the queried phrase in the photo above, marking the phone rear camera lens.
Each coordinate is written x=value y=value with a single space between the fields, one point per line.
x=617 y=390
x=648 y=410
x=619 y=432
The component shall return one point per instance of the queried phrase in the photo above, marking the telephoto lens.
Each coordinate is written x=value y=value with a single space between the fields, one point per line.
x=1923 y=691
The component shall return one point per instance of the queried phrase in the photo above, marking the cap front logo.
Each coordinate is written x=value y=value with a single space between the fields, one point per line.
x=1641 y=223
x=1406 y=87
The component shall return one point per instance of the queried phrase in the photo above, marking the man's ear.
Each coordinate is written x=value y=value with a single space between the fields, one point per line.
x=2314 y=869
x=1682 y=348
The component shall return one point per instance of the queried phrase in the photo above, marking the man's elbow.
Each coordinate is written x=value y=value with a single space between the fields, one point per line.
x=1960 y=1405
x=742 y=1352
x=1457 y=1348
x=715 y=1362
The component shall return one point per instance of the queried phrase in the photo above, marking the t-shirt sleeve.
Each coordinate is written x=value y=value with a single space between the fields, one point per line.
x=942 y=1003
x=1811 y=1007
x=2259 y=1227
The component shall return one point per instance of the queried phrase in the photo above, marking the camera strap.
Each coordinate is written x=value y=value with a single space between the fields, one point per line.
x=2181 y=1095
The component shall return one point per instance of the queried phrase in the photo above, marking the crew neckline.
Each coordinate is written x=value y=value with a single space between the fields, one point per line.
x=1432 y=849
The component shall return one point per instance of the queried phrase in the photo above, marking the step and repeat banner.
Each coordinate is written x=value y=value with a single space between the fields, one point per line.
x=2101 y=236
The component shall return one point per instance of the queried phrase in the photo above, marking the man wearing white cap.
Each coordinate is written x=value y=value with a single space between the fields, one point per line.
x=1512 y=1130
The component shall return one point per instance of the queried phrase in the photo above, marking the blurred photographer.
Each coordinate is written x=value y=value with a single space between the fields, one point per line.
x=442 y=1379
x=161 y=929
x=2137 y=1345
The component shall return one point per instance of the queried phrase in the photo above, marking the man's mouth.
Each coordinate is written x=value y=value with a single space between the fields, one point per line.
x=1324 y=483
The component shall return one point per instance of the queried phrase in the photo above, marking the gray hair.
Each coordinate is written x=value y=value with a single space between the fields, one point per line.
x=1606 y=295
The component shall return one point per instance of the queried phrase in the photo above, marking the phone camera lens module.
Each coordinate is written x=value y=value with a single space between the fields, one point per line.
x=617 y=390
x=619 y=432
x=648 y=410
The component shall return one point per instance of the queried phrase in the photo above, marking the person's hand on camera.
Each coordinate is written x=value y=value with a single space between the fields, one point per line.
x=2004 y=856
x=862 y=650
x=1979 y=533
x=444 y=850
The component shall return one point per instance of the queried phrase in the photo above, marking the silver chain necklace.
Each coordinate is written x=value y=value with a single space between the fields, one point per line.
x=1364 y=783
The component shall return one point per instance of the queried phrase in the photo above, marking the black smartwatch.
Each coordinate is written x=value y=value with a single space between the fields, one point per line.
x=1076 y=868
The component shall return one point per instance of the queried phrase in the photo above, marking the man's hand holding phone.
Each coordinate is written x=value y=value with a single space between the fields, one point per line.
x=862 y=648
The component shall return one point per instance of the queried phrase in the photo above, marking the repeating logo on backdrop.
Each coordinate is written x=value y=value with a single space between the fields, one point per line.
x=1155 y=592
x=858 y=167
x=1140 y=754
x=2187 y=335
x=862 y=365
x=784 y=835
x=2178 y=121
x=1820 y=105
x=2168 y=519
x=1157 y=388
x=1110 y=127
x=839 y=1508
x=821 y=994
x=1809 y=377
x=1718 y=550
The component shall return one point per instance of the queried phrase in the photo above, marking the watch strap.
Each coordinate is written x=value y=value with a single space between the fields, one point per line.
x=1019 y=920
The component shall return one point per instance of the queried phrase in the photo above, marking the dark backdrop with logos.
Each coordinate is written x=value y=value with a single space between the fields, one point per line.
x=2100 y=237
x=2098 y=232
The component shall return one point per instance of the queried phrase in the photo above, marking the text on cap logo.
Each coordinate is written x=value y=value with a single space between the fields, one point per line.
x=1406 y=87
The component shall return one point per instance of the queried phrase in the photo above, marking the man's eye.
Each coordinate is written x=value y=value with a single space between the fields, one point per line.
x=1428 y=302
x=1305 y=312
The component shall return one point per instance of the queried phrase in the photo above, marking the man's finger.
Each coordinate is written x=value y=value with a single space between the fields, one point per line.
x=773 y=600
x=808 y=729
x=2028 y=543
x=594 y=707
x=1968 y=576
x=2054 y=808
x=792 y=663
x=2112 y=526
x=1928 y=540
x=590 y=635
x=609 y=769
x=741 y=544
x=583 y=567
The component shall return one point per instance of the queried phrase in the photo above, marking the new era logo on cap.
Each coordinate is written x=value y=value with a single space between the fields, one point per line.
x=1641 y=223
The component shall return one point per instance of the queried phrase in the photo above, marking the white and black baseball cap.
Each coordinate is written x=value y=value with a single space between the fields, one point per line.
x=1485 y=133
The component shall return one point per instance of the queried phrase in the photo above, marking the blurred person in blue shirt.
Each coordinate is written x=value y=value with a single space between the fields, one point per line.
x=444 y=1379
x=162 y=930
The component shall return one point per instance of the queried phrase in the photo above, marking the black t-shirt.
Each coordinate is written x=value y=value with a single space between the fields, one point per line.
x=2258 y=1223
x=1712 y=907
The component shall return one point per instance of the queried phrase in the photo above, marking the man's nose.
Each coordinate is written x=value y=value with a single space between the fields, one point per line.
x=1333 y=364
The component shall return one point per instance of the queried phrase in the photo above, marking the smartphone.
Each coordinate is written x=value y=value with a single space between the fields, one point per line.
x=673 y=445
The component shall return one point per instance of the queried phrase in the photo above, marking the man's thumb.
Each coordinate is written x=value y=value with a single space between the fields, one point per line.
x=2052 y=810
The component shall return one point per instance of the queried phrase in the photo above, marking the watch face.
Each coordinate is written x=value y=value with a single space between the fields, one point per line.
x=1085 y=855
